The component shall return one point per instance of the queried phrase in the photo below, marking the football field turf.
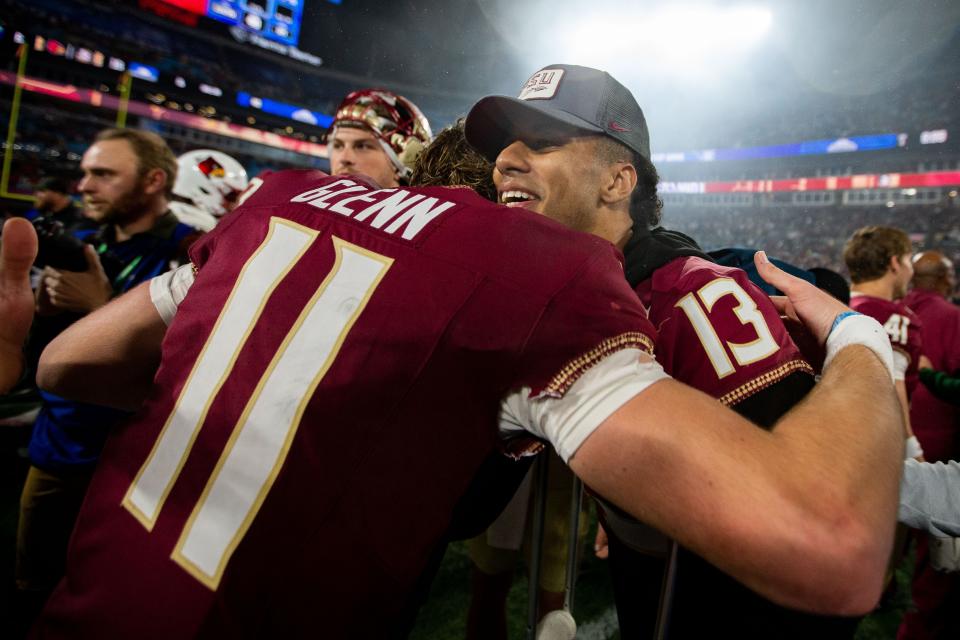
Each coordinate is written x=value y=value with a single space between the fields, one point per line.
x=444 y=616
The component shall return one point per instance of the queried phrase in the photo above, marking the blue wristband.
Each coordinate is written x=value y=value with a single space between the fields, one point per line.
x=840 y=317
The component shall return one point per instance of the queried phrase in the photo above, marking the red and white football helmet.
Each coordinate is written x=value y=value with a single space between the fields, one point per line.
x=399 y=125
x=207 y=187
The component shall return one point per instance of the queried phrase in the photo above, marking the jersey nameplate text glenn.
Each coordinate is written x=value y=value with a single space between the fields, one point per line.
x=389 y=210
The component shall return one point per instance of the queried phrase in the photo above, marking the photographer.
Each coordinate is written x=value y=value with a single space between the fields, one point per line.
x=52 y=204
x=128 y=176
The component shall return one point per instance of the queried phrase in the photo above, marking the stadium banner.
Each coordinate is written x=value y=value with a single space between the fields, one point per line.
x=284 y=110
x=810 y=147
x=826 y=183
x=839 y=183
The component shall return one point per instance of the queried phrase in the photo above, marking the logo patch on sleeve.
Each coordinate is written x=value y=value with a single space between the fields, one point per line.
x=542 y=85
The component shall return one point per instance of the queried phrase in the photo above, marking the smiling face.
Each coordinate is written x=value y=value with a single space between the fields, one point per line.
x=559 y=178
x=355 y=150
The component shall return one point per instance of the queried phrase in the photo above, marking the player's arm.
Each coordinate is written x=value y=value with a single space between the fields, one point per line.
x=901 y=362
x=913 y=445
x=941 y=384
x=930 y=497
x=803 y=514
x=108 y=357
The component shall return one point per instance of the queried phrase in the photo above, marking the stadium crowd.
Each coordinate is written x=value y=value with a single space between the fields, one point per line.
x=815 y=237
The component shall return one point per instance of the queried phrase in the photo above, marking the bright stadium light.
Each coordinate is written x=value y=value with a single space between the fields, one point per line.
x=656 y=45
x=669 y=39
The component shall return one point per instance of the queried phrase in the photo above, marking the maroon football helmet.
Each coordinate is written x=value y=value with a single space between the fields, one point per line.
x=399 y=124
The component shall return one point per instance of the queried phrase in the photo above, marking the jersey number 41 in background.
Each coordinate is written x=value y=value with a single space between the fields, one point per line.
x=897 y=327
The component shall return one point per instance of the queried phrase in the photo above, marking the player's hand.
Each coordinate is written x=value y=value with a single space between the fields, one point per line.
x=816 y=309
x=18 y=251
x=601 y=544
x=79 y=291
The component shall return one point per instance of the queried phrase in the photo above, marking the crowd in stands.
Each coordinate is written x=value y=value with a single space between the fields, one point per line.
x=51 y=140
x=924 y=102
x=814 y=237
x=198 y=61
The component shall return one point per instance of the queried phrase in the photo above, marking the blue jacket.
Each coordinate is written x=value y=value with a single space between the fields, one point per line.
x=69 y=435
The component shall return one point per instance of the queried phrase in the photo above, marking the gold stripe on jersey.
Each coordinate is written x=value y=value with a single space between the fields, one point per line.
x=212 y=579
x=763 y=381
x=129 y=500
x=574 y=369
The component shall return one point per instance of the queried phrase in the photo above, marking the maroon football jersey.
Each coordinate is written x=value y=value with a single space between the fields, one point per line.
x=936 y=423
x=327 y=390
x=716 y=330
x=903 y=328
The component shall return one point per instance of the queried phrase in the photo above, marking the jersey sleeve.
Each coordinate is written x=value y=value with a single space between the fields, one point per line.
x=718 y=332
x=590 y=352
x=928 y=497
x=594 y=315
x=901 y=361
x=169 y=289
x=566 y=422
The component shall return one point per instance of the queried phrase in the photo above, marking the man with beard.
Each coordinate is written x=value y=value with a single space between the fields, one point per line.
x=127 y=180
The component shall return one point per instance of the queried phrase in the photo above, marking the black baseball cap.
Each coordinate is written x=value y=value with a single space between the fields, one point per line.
x=53 y=183
x=559 y=99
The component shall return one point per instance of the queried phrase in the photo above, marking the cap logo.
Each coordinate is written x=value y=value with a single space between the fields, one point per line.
x=542 y=85
x=616 y=126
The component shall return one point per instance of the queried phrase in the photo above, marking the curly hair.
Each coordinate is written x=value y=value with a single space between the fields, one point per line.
x=449 y=161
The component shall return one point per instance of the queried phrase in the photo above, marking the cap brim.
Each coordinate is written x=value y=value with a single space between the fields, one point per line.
x=496 y=121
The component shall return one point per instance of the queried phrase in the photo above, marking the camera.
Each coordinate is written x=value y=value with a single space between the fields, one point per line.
x=57 y=248
x=60 y=249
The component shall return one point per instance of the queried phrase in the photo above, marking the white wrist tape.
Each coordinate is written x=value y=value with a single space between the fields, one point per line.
x=914 y=450
x=862 y=330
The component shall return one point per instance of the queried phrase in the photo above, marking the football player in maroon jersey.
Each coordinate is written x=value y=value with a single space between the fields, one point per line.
x=879 y=261
x=16 y=298
x=377 y=133
x=339 y=362
x=585 y=163
x=934 y=281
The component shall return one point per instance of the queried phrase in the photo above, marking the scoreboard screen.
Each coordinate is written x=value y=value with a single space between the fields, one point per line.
x=277 y=20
